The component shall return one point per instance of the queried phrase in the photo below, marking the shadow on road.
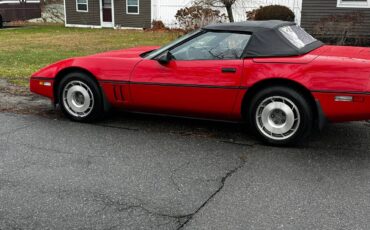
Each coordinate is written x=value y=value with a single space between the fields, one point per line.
x=353 y=135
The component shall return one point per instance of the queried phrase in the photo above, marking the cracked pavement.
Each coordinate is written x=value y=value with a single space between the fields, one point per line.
x=148 y=172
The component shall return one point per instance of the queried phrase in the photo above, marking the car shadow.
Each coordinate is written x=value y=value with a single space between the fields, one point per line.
x=334 y=136
x=352 y=135
x=220 y=130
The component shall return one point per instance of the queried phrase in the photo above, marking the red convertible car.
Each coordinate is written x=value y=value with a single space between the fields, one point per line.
x=271 y=75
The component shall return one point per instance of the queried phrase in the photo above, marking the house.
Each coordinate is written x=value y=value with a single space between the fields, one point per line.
x=108 y=13
x=350 y=18
x=140 y=13
x=319 y=17
x=16 y=10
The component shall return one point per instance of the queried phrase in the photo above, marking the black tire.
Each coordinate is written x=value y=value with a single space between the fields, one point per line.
x=301 y=114
x=94 y=100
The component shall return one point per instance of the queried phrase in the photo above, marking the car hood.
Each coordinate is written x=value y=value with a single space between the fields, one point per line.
x=126 y=53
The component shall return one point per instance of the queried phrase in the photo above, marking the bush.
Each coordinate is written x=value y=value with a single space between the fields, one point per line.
x=196 y=16
x=272 y=12
x=251 y=15
x=158 y=25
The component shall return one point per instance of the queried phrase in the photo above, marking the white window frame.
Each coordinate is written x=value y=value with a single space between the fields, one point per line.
x=87 y=6
x=138 y=7
x=353 y=4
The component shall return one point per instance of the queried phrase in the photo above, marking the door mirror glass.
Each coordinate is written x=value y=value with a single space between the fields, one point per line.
x=165 y=58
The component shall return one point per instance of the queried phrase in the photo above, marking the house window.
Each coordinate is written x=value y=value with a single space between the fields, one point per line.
x=82 y=5
x=132 y=7
x=354 y=3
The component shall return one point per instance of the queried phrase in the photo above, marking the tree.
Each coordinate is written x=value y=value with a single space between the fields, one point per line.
x=228 y=4
x=42 y=5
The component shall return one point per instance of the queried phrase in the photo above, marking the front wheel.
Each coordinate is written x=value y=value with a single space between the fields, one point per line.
x=280 y=116
x=80 y=98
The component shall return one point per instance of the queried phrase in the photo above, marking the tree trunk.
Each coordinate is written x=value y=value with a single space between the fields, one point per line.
x=42 y=5
x=230 y=13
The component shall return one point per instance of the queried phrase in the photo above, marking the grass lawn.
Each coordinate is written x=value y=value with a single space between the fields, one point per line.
x=26 y=49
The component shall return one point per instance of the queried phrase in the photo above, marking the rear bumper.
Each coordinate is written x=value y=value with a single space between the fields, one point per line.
x=42 y=86
x=335 y=109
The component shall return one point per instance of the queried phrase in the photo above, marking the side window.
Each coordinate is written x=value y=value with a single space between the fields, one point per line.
x=212 y=46
x=297 y=36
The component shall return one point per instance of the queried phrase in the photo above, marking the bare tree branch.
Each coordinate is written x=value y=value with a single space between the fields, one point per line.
x=220 y=3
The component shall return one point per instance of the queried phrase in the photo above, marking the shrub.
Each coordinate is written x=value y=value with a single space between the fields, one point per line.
x=196 y=16
x=251 y=15
x=158 y=25
x=272 y=12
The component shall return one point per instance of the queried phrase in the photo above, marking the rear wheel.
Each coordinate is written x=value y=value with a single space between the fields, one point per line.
x=280 y=116
x=80 y=98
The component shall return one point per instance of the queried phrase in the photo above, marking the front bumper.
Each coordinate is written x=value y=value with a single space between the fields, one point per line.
x=42 y=86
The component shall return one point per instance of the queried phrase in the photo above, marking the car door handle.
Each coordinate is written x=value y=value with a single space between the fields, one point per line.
x=228 y=70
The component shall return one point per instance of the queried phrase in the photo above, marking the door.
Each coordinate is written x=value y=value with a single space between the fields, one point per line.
x=202 y=79
x=107 y=13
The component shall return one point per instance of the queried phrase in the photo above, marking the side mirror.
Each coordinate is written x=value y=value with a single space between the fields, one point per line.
x=165 y=58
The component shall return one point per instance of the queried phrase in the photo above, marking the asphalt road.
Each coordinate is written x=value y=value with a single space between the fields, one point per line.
x=145 y=172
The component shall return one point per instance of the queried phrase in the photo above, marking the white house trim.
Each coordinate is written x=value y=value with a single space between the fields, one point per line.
x=18 y=2
x=65 y=13
x=102 y=23
x=101 y=11
x=83 y=26
x=113 y=15
x=127 y=28
x=138 y=7
x=353 y=4
x=82 y=11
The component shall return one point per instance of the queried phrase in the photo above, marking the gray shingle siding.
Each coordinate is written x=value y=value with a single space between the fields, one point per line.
x=141 y=20
x=91 y=18
x=19 y=11
x=122 y=19
x=315 y=10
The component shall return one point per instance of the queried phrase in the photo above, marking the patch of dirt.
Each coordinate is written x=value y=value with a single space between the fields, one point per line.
x=18 y=99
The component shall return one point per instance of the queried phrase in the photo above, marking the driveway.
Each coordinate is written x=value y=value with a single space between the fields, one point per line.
x=146 y=172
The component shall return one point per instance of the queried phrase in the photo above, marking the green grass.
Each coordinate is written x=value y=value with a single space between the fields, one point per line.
x=26 y=49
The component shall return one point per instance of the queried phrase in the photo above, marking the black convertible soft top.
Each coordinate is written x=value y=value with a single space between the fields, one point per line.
x=267 y=40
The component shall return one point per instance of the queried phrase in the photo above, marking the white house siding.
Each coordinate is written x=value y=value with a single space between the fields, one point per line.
x=165 y=10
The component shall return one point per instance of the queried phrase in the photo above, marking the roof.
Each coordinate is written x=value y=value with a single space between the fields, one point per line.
x=267 y=40
x=248 y=26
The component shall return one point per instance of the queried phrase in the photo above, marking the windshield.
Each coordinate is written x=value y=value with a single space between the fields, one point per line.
x=297 y=36
x=155 y=53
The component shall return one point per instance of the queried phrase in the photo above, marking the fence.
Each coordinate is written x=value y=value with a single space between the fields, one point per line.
x=165 y=10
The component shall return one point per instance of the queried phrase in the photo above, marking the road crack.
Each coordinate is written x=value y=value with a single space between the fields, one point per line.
x=223 y=180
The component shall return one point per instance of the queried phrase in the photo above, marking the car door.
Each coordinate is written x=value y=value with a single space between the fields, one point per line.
x=202 y=78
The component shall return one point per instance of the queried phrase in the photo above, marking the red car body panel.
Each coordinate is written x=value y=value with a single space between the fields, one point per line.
x=187 y=87
x=202 y=89
x=337 y=111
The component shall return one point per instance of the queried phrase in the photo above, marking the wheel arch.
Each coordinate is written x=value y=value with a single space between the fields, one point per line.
x=62 y=73
x=280 y=82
